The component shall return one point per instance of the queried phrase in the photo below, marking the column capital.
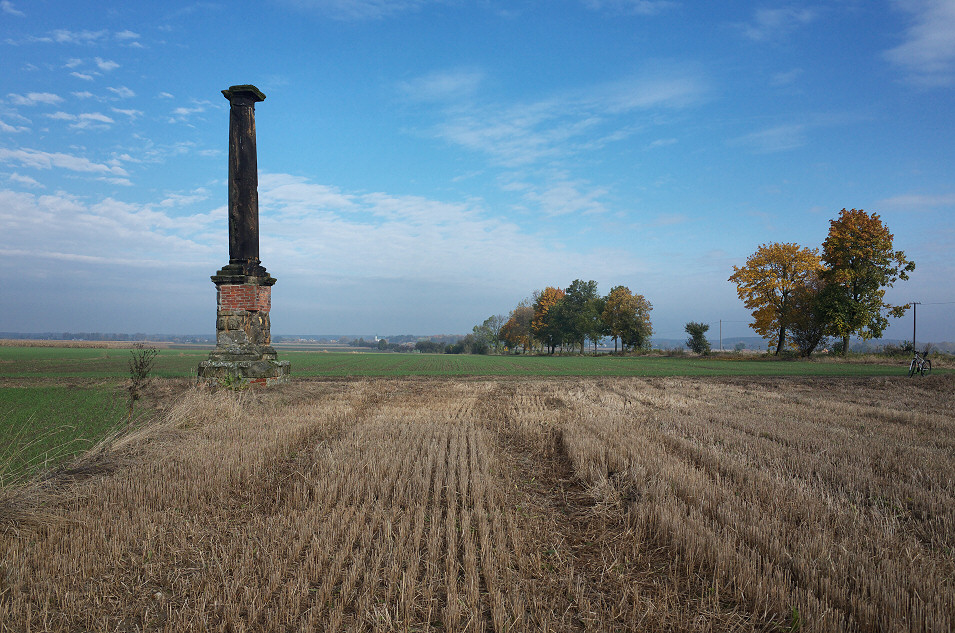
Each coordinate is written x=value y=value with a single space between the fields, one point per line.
x=245 y=94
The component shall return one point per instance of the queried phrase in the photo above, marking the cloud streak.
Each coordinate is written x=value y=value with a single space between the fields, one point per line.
x=564 y=124
x=7 y=7
x=770 y=24
x=779 y=138
x=35 y=98
x=920 y=201
x=48 y=160
x=635 y=7
x=928 y=53
x=359 y=9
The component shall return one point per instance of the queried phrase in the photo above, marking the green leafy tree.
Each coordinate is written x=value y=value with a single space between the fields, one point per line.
x=697 y=341
x=581 y=313
x=470 y=344
x=626 y=317
x=861 y=263
x=807 y=318
x=487 y=332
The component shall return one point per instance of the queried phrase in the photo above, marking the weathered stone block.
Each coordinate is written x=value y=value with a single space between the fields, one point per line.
x=238 y=373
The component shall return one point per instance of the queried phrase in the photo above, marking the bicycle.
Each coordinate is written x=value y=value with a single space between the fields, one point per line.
x=919 y=365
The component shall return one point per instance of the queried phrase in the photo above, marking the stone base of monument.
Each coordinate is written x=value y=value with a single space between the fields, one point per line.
x=241 y=373
x=244 y=354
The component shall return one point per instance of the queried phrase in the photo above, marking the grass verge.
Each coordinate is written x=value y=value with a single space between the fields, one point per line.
x=42 y=425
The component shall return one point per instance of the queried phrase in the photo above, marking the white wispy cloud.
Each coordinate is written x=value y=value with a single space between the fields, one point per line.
x=919 y=201
x=166 y=95
x=182 y=200
x=786 y=78
x=127 y=35
x=928 y=52
x=73 y=62
x=670 y=219
x=297 y=193
x=106 y=65
x=312 y=233
x=25 y=180
x=568 y=197
x=638 y=7
x=359 y=9
x=132 y=114
x=669 y=86
x=122 y=92
x=779 y=138
x=92 y=119
x=7 y=7
x=33 y=98
x=12 y=129
x=65 y=36
x=410 y=238
x=662 y=142
x=442 y=85
x=85 y=94
x=184 y=113
x=574 y=121
x=87 y=120
x=83 y=76
x=109 y=232
x=47 y=160
x=769 y=24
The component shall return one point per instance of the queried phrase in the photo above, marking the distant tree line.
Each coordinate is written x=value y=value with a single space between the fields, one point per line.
x=800 y=296
x=556 y=319
x=110 y=336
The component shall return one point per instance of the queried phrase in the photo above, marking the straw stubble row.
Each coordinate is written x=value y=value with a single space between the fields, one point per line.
x=496 y=505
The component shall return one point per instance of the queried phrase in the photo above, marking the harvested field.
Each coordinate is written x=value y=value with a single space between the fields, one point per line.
x=684 y=504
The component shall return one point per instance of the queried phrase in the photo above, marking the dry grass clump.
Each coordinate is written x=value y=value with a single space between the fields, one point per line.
x=502 y=504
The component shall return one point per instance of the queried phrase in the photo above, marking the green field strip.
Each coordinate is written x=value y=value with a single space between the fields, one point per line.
x=52 y=363
x=39 y=426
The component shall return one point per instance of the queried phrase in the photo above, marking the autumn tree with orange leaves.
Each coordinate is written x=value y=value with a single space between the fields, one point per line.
x=768 y=283
x=517 y=332
x=861 y=264
x=546 y=327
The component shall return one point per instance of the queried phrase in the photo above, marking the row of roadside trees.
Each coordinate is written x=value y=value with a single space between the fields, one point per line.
x=799 y=296
x=555 y=318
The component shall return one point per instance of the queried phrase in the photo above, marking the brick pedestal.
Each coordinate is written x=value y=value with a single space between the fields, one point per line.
x=244 y=354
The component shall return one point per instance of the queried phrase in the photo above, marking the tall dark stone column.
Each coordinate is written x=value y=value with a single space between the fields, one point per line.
x=244 y=352
x=243 y=177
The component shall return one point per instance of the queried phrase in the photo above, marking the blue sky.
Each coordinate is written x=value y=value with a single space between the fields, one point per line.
x=425 y=164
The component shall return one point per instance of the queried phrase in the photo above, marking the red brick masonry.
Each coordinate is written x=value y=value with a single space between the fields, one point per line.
x=245 y=297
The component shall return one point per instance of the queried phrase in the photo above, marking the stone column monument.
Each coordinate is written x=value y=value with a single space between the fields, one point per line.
x=244 y=353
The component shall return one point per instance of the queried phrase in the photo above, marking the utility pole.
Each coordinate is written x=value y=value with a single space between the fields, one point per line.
x=721 y=335
x=914 y=313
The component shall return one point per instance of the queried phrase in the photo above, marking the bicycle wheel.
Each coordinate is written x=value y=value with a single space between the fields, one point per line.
x=913 y=367
x=927 y=367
